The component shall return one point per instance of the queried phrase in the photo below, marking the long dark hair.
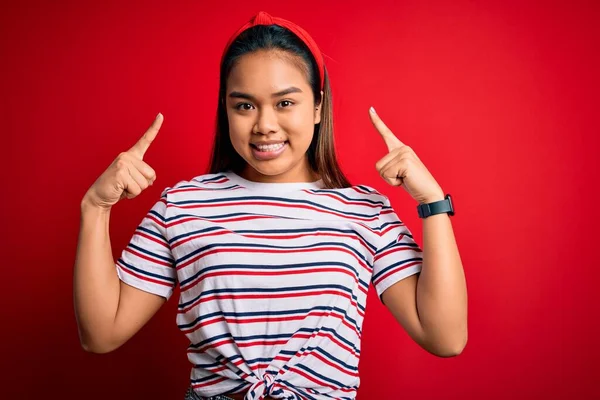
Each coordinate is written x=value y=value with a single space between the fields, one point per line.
x=321 y=152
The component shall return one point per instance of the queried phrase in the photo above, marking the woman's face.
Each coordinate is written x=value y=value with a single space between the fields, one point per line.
x=269 y=100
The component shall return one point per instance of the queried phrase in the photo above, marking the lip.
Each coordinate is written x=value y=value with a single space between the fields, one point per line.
x=268 y=155
x=267 y=142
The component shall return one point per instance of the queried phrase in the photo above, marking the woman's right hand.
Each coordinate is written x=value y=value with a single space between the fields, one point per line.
x=128 y=175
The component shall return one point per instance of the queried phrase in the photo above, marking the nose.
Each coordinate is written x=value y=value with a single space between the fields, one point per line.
x=267 y=122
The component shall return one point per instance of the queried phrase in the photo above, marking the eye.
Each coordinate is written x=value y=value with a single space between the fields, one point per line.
x=243 y=106
x=286 y=103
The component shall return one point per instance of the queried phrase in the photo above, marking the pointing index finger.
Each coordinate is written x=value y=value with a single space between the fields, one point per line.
x=391 y=141
x=142 y=145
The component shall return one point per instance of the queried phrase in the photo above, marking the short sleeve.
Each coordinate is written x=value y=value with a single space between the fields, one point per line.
x=147 y=262
x=398 y=256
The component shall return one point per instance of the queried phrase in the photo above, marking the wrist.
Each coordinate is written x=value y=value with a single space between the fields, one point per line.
x=87 y=205
x=434 y=205
x=433 y=198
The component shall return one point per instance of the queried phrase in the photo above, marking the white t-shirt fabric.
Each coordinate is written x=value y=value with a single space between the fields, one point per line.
x=273 y=279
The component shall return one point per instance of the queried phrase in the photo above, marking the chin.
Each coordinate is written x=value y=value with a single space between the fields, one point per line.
x=270 y=168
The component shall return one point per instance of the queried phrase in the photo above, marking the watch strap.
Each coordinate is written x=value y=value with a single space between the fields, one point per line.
x=437 y=207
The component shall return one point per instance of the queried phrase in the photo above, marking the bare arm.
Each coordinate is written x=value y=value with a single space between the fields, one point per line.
x=108 y=311
x=432 y=306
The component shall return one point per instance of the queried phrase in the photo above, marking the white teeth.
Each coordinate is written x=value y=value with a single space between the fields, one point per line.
x=270 y=147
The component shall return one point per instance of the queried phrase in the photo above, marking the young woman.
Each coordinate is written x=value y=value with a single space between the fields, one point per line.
x=273 y=249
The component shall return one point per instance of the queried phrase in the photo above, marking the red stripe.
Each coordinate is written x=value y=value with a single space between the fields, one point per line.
x=198 y=189
x=320 y=383
x=272 y=273
x=211 y=345
x=264 y=342
x=146 y=257
x=235 y=296
x=394 y=270
x=210 y=383
x=387 y=211
x=158 y=221
x=330 y=363
x=215 y=220
x=233 y=320
x=391 y=226
x=273 y=204
x=280 y=251
x=203 y=235
x=152 y=238
x=278 y=237
x=142 y=277
x=342 y=200
x=362 y=191
x=222 y=180
x=317 y=334
x=347 y=349
x=394 y=250
x=246 y=218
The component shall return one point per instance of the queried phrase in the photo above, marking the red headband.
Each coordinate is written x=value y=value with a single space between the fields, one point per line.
x=262 y=18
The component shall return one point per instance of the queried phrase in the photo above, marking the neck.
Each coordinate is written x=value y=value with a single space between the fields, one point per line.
x=296 y=174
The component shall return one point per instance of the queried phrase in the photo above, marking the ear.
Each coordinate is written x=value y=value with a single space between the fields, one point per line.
x=319 y=110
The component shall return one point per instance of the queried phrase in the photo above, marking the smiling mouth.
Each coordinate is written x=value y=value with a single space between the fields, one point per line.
x=270 y=152
x=268 y=148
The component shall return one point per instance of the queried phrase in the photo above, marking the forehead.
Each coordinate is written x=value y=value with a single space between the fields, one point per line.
x=267 y=71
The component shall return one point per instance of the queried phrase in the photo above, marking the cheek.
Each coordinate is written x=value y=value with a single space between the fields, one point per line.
x=300 y=124
x=237 y=130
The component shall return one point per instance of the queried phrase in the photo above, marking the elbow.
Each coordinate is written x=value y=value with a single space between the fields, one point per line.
x=97 y=345
x=450 y=348
x=451 y=351
x=96 y=348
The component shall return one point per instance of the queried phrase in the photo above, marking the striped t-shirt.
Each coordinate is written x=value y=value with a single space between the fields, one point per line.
x=273 y=279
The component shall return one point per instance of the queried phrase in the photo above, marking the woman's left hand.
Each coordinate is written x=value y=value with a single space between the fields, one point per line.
x=402 y=167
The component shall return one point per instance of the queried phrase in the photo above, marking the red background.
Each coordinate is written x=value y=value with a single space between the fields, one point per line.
x=498 y=99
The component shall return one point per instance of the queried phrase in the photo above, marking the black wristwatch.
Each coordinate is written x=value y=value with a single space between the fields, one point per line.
x=437 y=207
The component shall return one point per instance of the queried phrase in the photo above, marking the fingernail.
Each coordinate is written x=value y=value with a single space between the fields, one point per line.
x=157 y=115
x=372 y=110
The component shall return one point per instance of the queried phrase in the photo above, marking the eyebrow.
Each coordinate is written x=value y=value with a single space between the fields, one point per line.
x=247 y=96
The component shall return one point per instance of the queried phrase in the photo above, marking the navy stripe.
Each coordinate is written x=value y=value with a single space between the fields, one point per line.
x=228 y=335
x=147 y=273
x=394 y=265
x=151 y=232
x=242 y=315
x=151 y=254
x=275 y=232
x=244 y=245
x=395 y=243
x=155 y=214
x=336 y=193
x=264 y=268
x=367 y=188
x=294 y=289
x=206 y=189
x=283 y=200
x=321 y=376
x=223 y=216
x=216 y=177
x=329 y=356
